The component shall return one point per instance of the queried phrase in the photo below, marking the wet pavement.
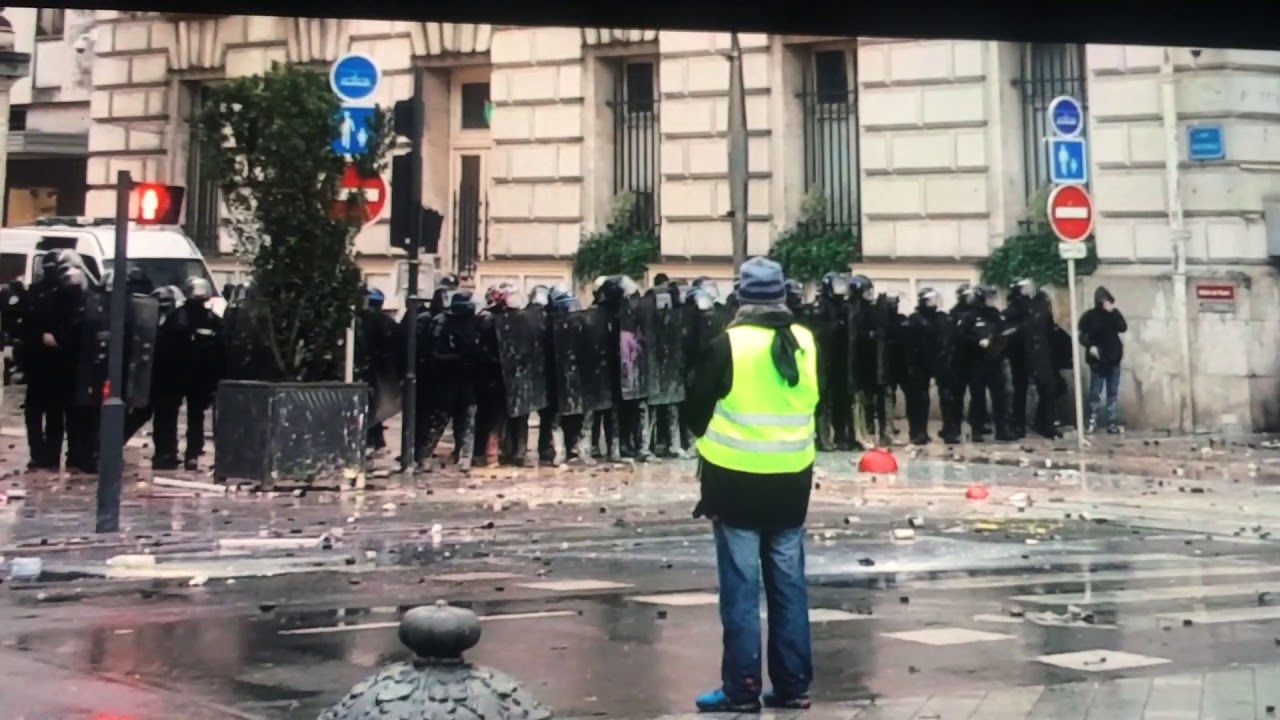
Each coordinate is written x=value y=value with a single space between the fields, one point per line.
x=1136 y=580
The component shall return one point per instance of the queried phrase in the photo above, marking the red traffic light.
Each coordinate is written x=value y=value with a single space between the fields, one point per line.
x=156 y=204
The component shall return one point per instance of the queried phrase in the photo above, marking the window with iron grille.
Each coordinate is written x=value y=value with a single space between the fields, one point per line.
x=203 y=211
x=50 y=22
x=635 y=140
x=1048 y=71
x=830 y=116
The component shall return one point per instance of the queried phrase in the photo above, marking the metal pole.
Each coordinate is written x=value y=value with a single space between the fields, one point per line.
x=111 y=428
x=409 y=400
x=738 y=168
x=349 y=362
x=1178 y=235
x=1075 y=348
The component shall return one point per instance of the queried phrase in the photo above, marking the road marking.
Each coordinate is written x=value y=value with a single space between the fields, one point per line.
x=1100 y=660
x=1188 y=592
x=472 y=576
x=574 y=585
x=1214 y=617
x=679 y=599
x=948 y=636
x=1102 y=575
x=384 y=625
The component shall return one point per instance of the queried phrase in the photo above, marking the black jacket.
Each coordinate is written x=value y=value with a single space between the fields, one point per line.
x=737 y=499
x=1102 y=329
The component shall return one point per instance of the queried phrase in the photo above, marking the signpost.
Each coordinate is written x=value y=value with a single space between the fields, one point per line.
x=1070 y=214
x=374 y=190
x=353 y=131
x=1071 y=217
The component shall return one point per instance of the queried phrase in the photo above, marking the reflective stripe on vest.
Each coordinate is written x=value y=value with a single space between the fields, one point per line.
x=764 y=426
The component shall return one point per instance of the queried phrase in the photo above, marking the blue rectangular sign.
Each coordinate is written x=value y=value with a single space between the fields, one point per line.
x=354 y=133
x=1068 y=161
x=1204 y=142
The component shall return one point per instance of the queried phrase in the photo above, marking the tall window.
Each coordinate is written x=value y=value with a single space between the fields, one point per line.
x=1048 y=70
x=50 y=22
x=475 y=106
x=635 y=140
x=203 y=199
x=830 y=112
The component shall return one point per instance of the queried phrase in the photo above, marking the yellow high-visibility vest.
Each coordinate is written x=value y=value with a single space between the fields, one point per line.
x=764 y=426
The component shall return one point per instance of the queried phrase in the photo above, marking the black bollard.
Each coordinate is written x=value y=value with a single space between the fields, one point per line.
x=438 y=682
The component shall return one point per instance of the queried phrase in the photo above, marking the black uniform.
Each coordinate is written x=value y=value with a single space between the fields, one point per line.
x=982 y=334
x=376 y=346
x=454 y=358
x=192 y=337
x=929 y=349
x=835 y=408
x=50 y=349
x=1031 y=362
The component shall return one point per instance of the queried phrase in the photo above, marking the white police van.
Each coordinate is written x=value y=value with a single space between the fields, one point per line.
x=164 y=254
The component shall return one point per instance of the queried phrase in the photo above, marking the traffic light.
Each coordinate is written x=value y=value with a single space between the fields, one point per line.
x=410 y=222
x=156 y=204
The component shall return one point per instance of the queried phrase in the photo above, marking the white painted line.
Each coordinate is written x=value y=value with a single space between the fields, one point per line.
x=1000 y=619
x=1079 y=577
x=1216 y=617
x=1100 y=660
x=472 y=576
x=947 y=636
x=574 y=585
x=384 y=625
x=1189 y=592
x=679 y=599
x=1071 y=213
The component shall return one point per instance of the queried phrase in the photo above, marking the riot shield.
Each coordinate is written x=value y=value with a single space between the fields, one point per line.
x=666 y=357
x=144 y=321
x=593 y=359
x=95 y=335
x=567 y=331
x=537 y=315
x=386 y=368
x=517 y=347
x=633 y=361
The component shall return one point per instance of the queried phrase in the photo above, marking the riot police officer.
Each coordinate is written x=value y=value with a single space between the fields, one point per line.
x=455 y=358
x=562 y=395
x=1031 y=361
x=984 y=332
x=866 y=362
x=376 y=349
x=891 y=364
x=835 y=416
x=194 y=335
x=50 y=349
x=929 y=346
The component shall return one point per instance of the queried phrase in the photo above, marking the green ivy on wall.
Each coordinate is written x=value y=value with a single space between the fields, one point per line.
x=619 y=249
x=811 y=249
x=1033 y=253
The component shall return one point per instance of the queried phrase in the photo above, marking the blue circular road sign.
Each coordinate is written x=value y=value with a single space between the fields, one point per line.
x=354 y=78
x=1066 y=116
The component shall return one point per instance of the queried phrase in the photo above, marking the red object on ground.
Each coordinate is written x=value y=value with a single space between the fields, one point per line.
x=878 y=462
x=976 y=492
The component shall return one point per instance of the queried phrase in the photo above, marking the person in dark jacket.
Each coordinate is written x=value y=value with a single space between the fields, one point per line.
x=1100 y=331
x=752 y=402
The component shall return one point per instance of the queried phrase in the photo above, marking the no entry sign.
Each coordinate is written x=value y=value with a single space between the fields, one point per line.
x=1070 y=213
x=374 y=190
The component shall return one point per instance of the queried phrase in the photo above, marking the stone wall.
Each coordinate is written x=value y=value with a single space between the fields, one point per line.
x=1235 y=358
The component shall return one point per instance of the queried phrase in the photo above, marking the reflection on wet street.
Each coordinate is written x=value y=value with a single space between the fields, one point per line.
x=1068 y=592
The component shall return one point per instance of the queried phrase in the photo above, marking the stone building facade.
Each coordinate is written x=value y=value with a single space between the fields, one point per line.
x=929 y=149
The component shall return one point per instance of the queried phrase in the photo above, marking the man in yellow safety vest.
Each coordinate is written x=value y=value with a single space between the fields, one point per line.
x=752 y=407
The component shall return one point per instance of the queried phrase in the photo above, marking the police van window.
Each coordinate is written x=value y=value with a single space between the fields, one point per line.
x=13 y=266
x=168 y=271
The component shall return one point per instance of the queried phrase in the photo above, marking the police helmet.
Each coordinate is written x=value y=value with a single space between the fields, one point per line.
x=197 y=289
x=861 y=286
x=1026 y=287
x=835 y=285
x=73 y=276
x=629 y=286
x=540 y=295
x=461 y=303
x=448 y=280
x=795 y=292
x=927 y=298
x=169 y=296
x=376 y=298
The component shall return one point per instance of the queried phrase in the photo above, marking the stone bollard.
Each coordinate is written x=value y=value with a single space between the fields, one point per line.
x=438 y=683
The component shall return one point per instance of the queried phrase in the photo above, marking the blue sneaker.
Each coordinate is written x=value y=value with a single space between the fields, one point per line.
x=717 y=702
x=801 y=702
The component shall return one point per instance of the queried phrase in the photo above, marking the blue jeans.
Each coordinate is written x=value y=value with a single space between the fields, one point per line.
x=743 y=559
x=1099 y=376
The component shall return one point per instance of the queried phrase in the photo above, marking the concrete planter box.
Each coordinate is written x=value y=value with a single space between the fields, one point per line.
x=267 y=432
